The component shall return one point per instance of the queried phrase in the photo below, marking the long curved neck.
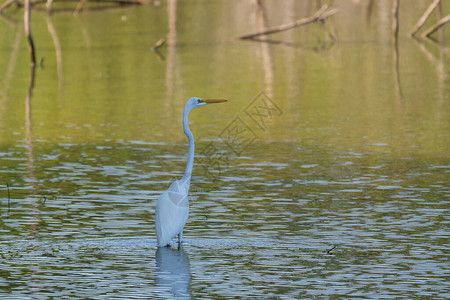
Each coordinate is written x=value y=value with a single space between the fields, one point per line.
x=190 y=163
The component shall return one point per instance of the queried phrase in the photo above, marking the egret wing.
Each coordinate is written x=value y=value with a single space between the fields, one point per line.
x=172 y=210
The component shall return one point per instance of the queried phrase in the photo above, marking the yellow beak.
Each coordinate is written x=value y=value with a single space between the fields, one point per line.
x=209 y=101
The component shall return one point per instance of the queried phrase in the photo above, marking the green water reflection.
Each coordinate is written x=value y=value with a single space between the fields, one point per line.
x=355 y=155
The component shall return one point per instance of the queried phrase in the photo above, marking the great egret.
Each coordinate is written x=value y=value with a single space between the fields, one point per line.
x=172 y=207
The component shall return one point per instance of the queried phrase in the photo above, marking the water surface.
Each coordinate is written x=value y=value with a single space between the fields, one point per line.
x=341 y=192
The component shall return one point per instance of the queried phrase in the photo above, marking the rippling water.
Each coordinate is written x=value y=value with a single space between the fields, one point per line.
x=342 y=193
x=308 y=226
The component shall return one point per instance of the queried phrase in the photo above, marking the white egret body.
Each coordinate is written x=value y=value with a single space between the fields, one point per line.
x=172 y=207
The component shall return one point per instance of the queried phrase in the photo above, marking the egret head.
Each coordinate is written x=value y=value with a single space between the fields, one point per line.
x=196 y=102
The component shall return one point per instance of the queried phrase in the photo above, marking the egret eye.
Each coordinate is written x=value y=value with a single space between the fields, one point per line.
x=199 y=101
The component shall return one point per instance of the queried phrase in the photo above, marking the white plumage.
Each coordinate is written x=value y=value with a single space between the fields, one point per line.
x=172 y=210
x=172 y=207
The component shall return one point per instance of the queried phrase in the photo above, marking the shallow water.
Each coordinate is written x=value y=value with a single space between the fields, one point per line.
x=338 y=188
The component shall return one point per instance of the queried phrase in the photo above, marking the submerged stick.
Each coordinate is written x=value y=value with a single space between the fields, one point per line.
x=158 y=44
x=6 y=4
x=424 y=17
x=329 y=251
x=319 y=15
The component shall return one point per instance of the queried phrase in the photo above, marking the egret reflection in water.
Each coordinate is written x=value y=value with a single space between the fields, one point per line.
x=173 y=273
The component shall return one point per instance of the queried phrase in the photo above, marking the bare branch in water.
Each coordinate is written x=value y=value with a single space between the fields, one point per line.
x=6 y=4
x=436 y=26
x=26 y=22
x=424 y=17
x=79 y=5
x=321 y=15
